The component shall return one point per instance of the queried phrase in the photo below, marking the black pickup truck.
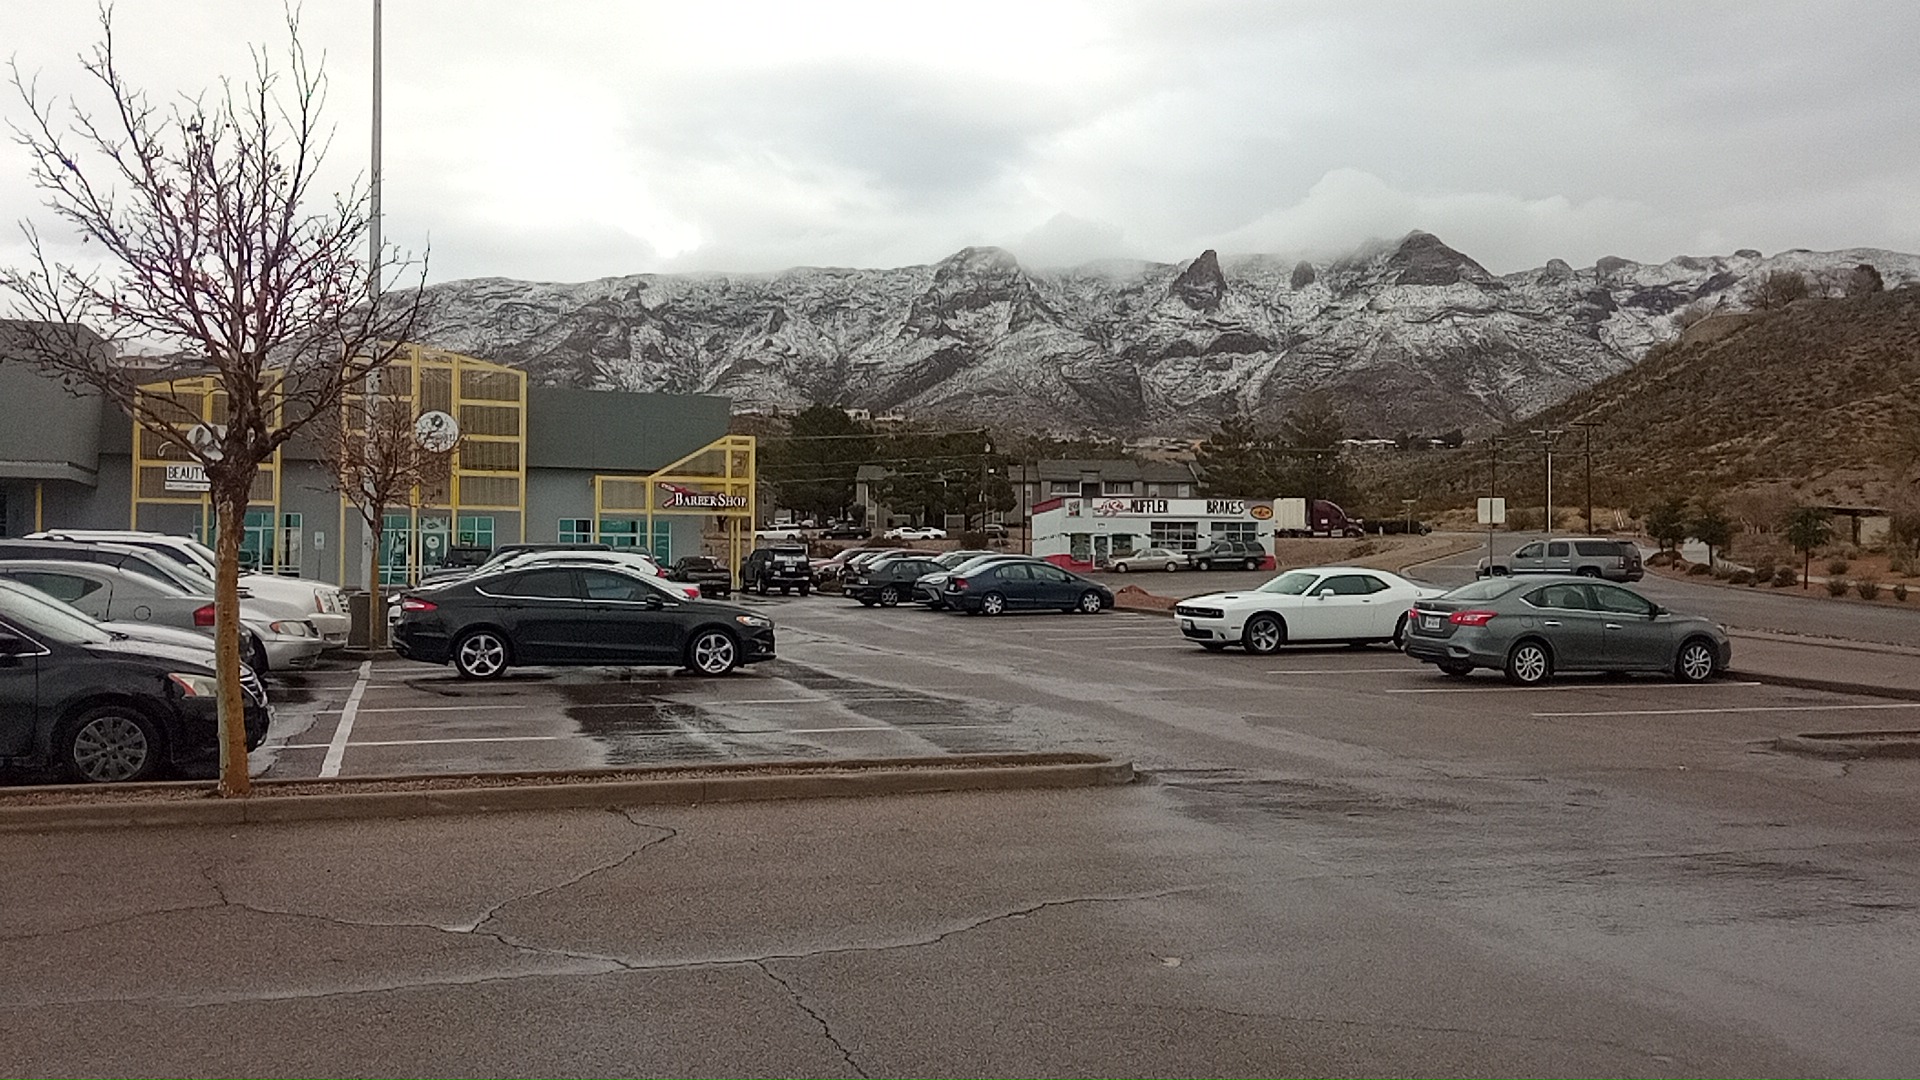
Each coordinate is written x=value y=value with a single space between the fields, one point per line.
x=709 y=573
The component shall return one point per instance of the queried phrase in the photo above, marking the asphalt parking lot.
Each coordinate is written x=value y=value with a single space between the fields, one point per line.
x=858 y=682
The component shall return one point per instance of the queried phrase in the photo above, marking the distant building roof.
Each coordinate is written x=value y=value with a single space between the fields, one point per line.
x=1119 y=469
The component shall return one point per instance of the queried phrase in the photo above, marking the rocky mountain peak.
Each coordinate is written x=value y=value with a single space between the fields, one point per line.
x=1201 y=286
x=1422 y=259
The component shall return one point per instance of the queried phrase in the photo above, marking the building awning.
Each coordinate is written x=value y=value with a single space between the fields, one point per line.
x=48 y=470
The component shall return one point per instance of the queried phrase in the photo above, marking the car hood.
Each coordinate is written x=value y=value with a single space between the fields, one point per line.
x=163 y=635
x=193 y=660
x=1250 y=595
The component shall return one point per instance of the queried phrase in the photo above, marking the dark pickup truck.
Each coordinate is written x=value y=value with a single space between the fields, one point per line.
x=709 y=573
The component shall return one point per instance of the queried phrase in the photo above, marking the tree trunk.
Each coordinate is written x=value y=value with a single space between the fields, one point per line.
x=376 y=615
x=230 y=497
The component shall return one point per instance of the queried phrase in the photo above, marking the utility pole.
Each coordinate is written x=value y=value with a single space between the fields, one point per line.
x=1586 y=450
x=1547 y=435
x=373 y=201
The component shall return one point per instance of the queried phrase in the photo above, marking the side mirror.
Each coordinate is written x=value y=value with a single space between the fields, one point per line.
x=1324 y=593
x=1658 y=611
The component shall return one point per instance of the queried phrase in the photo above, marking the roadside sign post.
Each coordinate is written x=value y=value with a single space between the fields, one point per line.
x=1492 y=512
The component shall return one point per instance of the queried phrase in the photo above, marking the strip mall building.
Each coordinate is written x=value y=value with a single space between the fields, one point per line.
x=531 y=464
x=1084 y=533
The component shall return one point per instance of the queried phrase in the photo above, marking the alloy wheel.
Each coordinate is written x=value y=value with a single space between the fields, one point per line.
x=1695 y=663
x=1529 y=664
x=714 y=653
x=481 y=656
x=993 y=603
x=1090 y=602
x=889 y=596
x=109 y=748
x=1264 y=634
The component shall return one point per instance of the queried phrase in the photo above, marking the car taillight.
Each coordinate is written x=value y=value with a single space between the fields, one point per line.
x=958 y=583
x=203 y=616
x=414 y=604
x=1471 y=618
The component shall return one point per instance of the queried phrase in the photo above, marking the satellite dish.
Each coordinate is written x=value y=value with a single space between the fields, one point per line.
x=436 y=432
x=205 y=440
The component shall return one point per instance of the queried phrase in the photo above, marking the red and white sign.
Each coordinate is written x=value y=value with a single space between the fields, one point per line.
x=686 y=498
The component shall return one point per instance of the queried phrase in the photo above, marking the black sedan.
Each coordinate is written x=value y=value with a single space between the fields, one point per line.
x=886 y=582
x=575 y=615
x=101 y=706
x=1024 y=586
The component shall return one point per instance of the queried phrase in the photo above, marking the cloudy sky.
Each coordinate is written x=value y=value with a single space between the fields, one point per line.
x=571 y=139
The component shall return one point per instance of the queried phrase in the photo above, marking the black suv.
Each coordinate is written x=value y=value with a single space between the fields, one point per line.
x=780 y=566
x=709 y=573
x=1229 y=555
x=103 y=707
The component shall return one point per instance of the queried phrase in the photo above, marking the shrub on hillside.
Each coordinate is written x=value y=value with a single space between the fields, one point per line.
x=1722 y=571
x=1837 y=586
x=1900 y=592
x=1763 y=570
x=973 y=540
x=1698 y=569
x=1868 y=588
x=1362 y=549
x=1837 y=566
x=1785 y=577
x=1741 y=577
x=1522 y=520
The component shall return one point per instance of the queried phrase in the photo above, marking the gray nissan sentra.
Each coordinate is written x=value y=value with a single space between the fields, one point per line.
x=1534 y=627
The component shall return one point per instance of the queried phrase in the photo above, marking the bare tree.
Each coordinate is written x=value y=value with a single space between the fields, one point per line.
x=1776 y=289
x=379 y=459
x=209 y=240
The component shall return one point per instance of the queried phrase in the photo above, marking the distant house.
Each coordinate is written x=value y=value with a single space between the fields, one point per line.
x=1037 y=481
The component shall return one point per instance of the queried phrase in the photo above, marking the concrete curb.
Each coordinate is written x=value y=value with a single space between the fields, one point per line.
x=1836 y=686
x=282 y=800
x=1852 y=744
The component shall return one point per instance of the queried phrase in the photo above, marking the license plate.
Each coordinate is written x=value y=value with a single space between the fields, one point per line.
x=1429 y=622
x=1186 y=624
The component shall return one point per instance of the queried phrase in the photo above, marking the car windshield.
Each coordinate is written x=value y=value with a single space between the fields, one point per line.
x=39 y=614
x=1291 y=583
x=1486 y=589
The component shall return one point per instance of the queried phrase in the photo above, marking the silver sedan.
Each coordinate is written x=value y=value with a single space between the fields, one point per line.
x=1533 y=627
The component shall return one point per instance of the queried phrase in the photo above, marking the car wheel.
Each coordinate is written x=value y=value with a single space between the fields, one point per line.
x=1400 y=632
x=1172 y=566
x=889 y=596
x=1264 y=634
x=1589 y=571
x=1694 y=664
x=865 y=601
x=480 y=655
x=713 y=652
x=1253 y=564
x=805 y=589
x=112 y=744
x=1119 y=568
x=993 y=604
x=1213 y=646
x=1203 y=565
x=1529 y=664
x=258 y=661
x=761 y=585
x=1090 y=603
x=1456 y=670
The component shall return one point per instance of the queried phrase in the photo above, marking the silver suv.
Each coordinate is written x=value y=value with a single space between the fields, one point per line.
x=1587 y=556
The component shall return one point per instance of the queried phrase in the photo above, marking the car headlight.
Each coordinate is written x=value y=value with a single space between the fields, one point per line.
x=753 y=620
x=204 y=686
x=290 y=628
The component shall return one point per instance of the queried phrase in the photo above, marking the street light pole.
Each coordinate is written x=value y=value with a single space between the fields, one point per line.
x=1547 y=435
x=1586 y=450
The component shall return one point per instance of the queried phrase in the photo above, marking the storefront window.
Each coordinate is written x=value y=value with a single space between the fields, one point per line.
x=1080 y=547
x=475 y=532
x=1123 y=544
x=1237 y=530
x=576 y=530
x=395 y=539
x=621 y=534
x=1174 y=535
x=290 y=526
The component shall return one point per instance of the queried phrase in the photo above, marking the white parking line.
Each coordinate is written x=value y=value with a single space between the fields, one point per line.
x=1346 y=671
x=337 y=749
x=1577 y=686
x=1751 y=709
x=638 y=735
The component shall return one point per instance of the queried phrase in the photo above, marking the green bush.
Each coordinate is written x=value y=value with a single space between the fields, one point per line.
x=1763 y=570
x=1522 y=520
x=1868 y=588
x=1785 y=577
x=1698 y=569
x=1837 y=586
x=1900 y=592
x=1723 y=571
x=1837 y=566
x=1741 y=577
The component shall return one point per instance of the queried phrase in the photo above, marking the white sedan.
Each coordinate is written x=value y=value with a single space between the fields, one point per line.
x=916 y=532
x=1152 y=559
x=1313 y=604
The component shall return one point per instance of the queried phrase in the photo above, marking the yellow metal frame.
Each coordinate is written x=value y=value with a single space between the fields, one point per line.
x=209 y=403
x=416 y=360
x=731 y=464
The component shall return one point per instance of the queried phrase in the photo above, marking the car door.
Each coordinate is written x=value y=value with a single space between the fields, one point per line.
x=1529 y=559
x=1559 y=557
x=1054 y=587
x=628 y=621
x=1339 y=608
x=1565 y=614
x=541 y=612
x=1636 y=638
x=19 y=690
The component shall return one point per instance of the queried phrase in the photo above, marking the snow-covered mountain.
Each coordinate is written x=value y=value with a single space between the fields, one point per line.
x=1412 y=336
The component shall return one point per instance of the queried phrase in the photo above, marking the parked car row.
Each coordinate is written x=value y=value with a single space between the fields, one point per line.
x=109 y=702
x=1527 y=627
x=973 y=582
x=1219 y=554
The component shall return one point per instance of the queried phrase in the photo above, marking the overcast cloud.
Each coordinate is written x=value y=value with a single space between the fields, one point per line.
x=569 y=139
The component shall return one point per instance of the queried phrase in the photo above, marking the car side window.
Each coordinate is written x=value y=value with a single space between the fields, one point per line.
x=1596 y=548
x=1012 y=572
x=601 y=585
x=1531 y=551
x=544 y=584
x=1615 y=599
x=65 y=587
x=1048 y=573
x=1562 y=597
x=1348 y=585
x=1558 y=549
